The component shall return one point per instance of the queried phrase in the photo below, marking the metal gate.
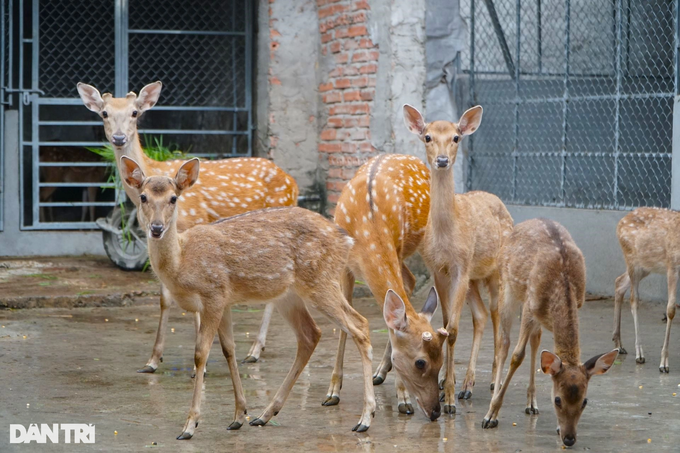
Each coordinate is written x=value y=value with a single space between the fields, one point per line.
x=578 y=98
x=201 y=51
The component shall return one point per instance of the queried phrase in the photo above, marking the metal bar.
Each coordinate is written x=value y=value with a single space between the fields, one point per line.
x=647 y=155
x=77 y=101
x=103 y=185
x=472 y=90
x=97 y=144
x=118 y=49
x=565 y=101
x=539 y=35
x=500 y=35
x=617 y=118
x=125 y=46
x=249 y=76
x=35 y=109
x=603 y=97
x=675 y=161
x=234 y=119
x=515 y=149
x=76 y=164
x=69 y=123
x=63 y=226
x=72 y=204
x=20 y=85
x=192 y=132
x=139 y=31
x=2 y=113
x=584 y=75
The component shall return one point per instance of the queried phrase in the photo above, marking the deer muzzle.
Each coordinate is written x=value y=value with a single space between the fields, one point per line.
x=119 y=139
x=442 y=161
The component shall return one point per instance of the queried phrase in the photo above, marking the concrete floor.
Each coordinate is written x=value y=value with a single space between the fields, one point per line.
x=74 y=366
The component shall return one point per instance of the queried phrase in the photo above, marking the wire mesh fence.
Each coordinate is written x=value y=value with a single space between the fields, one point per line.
x=578 y=99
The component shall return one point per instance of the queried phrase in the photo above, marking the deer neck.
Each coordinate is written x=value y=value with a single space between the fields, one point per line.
x=165 y=254
x=133 y=149
x=443 y=212
x=565 y=334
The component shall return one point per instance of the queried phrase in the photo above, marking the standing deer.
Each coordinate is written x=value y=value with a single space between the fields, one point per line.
x=227 y=187
x=290 y=256
x=462 y=240
x=544 y=272
x=384 y=208
x=650 y=240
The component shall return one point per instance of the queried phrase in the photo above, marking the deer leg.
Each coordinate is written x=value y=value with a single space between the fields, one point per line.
x=226 y=334
x=492 y=285
x=197 y=327
x=478 y=321
x=408 y=278
x=670 y=314
x=501 y=353
x=333 y=395
x=442 y=283
x=460 y=285
x=526 y=331
x=308 y=335
x=532 y=404
x=336 y=308
x=204 y=340
x=258 y=346
x=157 y=353
x=635 y=277
x=622 y=285
x=403 y=398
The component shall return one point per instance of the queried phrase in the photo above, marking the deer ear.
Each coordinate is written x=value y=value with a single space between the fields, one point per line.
x=187 y=174
x=90 y=97
x=470 y=120
x=131 y=172
x=430 y=304
x=148 y=96
x=550 y=363
x=394 y=312
x=414 y=120
x=600 y=364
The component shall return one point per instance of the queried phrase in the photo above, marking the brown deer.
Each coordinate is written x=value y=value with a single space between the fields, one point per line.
x=544 y=272
x=290 y=256
x=462 y=240
x=384 y=208
x=650 y=241
x=227 y=187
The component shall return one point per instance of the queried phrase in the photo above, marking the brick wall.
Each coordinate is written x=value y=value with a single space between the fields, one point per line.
x=347 y=90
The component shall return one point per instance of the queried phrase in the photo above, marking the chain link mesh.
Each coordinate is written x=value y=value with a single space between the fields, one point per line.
x=584 y=117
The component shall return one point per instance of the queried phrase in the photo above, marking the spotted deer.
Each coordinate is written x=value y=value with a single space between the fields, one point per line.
x=462 y=240
x=289 y=256
x=227 y=187
x=650 y=241
x=384 y=208
x=544 y=273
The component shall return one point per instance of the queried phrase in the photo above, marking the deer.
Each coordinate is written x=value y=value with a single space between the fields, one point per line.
x=227 y=187
x=462 y=241
x=289 y=256
x=384 y=208
x=543 y=272
x=650 y=243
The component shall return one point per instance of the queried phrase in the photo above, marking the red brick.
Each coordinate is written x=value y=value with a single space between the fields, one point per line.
x=351 y=70
x=372 y=81
x=335 y=173
x=334 y=121
x=351 y=44
x=320 y=3
x=360 y=56
x=336 y=72
x=335 y=46
x=333 y=198
x=328 y=134
x=361 y=4
x=326 y=37
x=273 y=34
x=367 y=95
x=325 y=87
x=341 y=33
x=332 y=97
x=330 y=147
x=368 y=69
x=356 y=109
x=358 y=18
x=357 y=30
x=274 y=80
x=341 y=58
x=360 y=82
x=335 y=185
x=342 y=83
x=366 y=147
x=366 y=43
x=359 y=121
x=340 y=109
x=353 y=95
x=324 y=51
x=325 y=11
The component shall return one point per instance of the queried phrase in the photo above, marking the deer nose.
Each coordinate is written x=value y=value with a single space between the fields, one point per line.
x=118 y=139
x=569 y=440
x=156 y=230
x=442 y=161
x=436 y=412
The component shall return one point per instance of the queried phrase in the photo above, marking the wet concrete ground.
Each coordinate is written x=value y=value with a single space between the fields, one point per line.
x=78 y=366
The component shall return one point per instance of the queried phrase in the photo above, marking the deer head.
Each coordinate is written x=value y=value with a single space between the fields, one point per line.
x=416 y=350
x=120 y=114
x=442 y=138
x=570 y=386
x=157 y=194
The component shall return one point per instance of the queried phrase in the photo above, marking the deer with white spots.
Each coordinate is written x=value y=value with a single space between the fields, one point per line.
x=544 y=273
x=650 y=241
x=462 y=240
x=227 y=187
x=289 y=256
x=384 y=208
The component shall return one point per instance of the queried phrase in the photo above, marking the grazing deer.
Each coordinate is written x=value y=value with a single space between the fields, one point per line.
x=462 y=240
x=290 y=256
x=227 y=187
x=650 y=241
x=544 y=272
x=384 y=208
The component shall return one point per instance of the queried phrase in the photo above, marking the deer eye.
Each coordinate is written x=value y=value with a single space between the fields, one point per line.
x=456 y=138
x=420 y=364
x=142 y=197
x=173 y=199
x=558 y=401
x=105 y=114
x=585 y=402
x=134 y=114
x=428 y=139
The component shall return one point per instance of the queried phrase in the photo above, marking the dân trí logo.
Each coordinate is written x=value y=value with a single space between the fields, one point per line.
x=69 y=433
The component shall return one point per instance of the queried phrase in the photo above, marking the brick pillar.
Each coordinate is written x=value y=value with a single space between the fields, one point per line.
x=347 y=90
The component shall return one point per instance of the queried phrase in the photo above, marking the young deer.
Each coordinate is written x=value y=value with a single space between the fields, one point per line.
x=462 y=240
x=650 y=240
x=384 y=208
x=227 y=187
x=544 y=272
x=289 y=256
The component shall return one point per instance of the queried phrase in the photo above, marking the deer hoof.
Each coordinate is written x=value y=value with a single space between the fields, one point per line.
x=257 y=422
x=465 y=395
x=531 y=410
x=234 y=425
x=405 y=408
x=622 y=350
x=377 y=380
x=250 y=359
x=664 y=369
x=449 y=409
x=331 y=401
x=491 y=387
x=184 y=436
x=147 y=369
x=360 y=428
x=640 y=360
x=488 y=424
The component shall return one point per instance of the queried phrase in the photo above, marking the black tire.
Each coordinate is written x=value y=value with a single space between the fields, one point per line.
x=127 y=252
